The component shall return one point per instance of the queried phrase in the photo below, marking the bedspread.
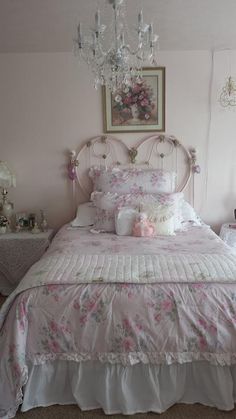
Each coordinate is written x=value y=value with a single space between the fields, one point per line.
x=123 y=323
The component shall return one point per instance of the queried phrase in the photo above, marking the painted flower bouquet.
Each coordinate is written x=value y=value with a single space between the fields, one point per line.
x=135 y=101
x=3 y=221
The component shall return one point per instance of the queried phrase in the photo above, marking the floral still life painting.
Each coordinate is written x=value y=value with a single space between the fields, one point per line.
x=137 y=107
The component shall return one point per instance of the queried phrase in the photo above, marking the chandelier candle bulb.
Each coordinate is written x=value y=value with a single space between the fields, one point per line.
x=97 y=20
x=80 y=35
x=140 y=20
x=150 y=31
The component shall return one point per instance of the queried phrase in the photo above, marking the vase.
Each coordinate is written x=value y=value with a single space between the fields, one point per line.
x=3 y=229
x=134 y=113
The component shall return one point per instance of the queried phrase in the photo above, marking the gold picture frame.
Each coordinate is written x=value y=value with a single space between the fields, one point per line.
x=138 y=108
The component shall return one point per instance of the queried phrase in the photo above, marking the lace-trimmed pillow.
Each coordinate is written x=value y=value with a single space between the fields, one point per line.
x=162 y=216
x=132 y=180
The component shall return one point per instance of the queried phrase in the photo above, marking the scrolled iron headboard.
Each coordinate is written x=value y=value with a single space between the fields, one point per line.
x=157 y=151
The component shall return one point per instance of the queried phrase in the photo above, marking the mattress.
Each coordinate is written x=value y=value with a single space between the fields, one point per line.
x=181 y=312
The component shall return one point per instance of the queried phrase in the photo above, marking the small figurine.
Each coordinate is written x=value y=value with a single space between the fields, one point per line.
x=143 y=227
x=35 y=229
x=43 y=223
x=31 y=220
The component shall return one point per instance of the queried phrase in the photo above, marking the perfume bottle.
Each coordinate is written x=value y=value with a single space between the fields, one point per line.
x=43 y=222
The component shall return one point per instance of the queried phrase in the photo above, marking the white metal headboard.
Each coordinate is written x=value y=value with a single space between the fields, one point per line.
x=157 y=151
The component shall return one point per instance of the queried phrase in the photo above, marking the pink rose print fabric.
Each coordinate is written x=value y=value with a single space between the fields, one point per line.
x=129 y=180
x=125 y=323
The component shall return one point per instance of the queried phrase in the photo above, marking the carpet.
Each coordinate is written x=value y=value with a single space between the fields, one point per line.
x=178 y=411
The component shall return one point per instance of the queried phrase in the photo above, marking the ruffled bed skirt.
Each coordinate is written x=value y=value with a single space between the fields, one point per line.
x=129 y=389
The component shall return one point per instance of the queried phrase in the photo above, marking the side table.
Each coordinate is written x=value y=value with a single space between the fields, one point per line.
x=18 y=252
x=228 y=234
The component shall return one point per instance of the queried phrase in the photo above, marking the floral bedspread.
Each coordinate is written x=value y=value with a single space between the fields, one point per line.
x=116 y=322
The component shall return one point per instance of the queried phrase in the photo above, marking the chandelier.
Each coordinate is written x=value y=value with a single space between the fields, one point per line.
x=228 y=93
x=107 y=49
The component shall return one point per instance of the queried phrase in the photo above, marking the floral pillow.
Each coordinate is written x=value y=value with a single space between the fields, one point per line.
x=132 y=180
x=108 y=202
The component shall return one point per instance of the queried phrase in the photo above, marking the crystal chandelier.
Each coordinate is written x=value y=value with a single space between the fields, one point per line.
x=115 y=65
x=228 y=93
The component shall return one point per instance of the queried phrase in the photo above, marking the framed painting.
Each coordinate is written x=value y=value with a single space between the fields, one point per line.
x=137 y=108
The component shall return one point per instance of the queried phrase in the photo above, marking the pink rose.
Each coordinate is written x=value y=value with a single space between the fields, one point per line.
x=167 y=305
x=53 y=326
x=136 y=88
x=127 y=100
x=213 y=329
x=76 y=305
x=128 y=344
x=54 y=347
x=144 y=102
x=139 y=326
x=157 y=317
x=202 y=343
x=91 y=305
x=126 y=323
x=83 y=319
x=203 y=323
x=22 y=310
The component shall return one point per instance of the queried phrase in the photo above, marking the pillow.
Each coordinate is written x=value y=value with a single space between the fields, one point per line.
x=85 y=215
x=124 y=221
x=166 y=227
x=163 y=218
x=189 y=214
x=132 y=180
x=104 y=221
x=108 y=202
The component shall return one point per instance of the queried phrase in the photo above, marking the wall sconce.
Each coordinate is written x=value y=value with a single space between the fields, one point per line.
x=228 y=93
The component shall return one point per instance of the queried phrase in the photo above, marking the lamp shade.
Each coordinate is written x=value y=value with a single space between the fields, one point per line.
x=7 y=178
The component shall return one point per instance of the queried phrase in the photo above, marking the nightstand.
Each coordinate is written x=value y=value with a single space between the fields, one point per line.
x=18 y=252
x=228 y=234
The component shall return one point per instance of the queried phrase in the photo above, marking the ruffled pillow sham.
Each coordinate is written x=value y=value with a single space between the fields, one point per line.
x=85 y=215
x=107 y=203
x=132 y=180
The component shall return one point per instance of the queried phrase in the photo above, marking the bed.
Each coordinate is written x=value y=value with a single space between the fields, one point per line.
x=127 y=324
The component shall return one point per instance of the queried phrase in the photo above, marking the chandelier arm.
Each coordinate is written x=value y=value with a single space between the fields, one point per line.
x=133 y=52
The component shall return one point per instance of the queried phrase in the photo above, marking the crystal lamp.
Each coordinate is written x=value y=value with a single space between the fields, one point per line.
x=114 y=53
x=7 y=180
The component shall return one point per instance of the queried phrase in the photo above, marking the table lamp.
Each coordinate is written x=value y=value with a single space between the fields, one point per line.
x=7 y=180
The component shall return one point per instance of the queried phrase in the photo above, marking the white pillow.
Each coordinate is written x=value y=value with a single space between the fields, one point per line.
x=189 y=214
x=165 y=228
x=85 y=216
x=124 y=220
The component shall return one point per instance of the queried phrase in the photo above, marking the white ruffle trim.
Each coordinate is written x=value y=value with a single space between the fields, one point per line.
x=132 y=358
x=11 y=413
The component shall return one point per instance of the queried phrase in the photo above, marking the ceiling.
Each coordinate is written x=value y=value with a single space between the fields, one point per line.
x=50 y=25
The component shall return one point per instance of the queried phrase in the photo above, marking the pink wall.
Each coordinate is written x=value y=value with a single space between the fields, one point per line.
x=48 y=105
